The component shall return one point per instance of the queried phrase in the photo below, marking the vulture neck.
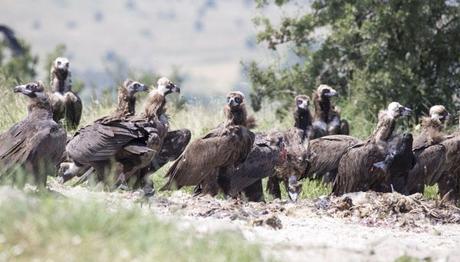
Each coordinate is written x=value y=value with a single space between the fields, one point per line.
x=235 y=116
x=302 y=119
x=322 y=107
x=39 y=109
x=155 y=106
x=385 y=127
x=60 y=82
x=126 y=103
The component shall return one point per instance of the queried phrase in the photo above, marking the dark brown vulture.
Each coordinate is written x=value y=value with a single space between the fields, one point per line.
x=203 y=159
x=66 y=104
x=130 y=143
x=357 y=170
x=125 y=108
x=327 y=118
x=449 y=183
x=36 y=143
x=429 y=151
x=325 y=154
x=302 y=117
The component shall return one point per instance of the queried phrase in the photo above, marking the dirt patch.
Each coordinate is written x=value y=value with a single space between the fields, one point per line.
x=324 y=229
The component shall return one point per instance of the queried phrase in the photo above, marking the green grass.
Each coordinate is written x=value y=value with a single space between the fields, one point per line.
x=64 y=230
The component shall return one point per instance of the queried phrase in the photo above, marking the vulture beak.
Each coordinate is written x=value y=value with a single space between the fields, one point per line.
x=174 y=88
x=381 y=165
x=143 y=88
x=294 y=188
x=22 y=89
x=303 y=105
x=406 y=111
x=231 y=101
x=331 y=93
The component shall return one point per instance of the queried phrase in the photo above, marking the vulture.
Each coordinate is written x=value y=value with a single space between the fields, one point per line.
x=125 y=108
x=36 y=143
x=295 y=152
x=327 y=118
x=449 y=183
x=325 y=154
x=223 y=147
x=357 y=170
x=429 y=151
x=129 y=143
x=65 y=103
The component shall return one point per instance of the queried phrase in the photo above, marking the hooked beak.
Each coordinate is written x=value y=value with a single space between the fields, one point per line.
x=303 y=106
x=407 y=111
x=22 y=89
x=331 y=93
x=143 y=88
x=175 y=88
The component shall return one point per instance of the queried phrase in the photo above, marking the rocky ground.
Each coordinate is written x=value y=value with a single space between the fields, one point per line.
x=356 y=227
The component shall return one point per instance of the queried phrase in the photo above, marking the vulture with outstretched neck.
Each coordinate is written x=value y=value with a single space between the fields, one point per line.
x=203 y=159
x=126 y=108
x=327 y=118
x=36 y=143
x=429 y=151
x=65 y=103
x=130 y=143
x=357 y=170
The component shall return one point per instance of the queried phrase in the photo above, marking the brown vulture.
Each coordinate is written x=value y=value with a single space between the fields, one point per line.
x=130 y=143
x=65 y=103
x=327 y=118
x=429 y=151
x=36 y=143
x=357 y=170
x=449 y=183
x=226 y=146
x=325 y=154
x=125 y=108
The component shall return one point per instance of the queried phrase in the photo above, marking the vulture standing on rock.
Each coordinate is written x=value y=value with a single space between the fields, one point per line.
x=327 y=118
x=205 y=158
x=357 y=170
x=65 y=103
x=130 y=143
x=37 y=142
x=126 y=108
x=429 y=151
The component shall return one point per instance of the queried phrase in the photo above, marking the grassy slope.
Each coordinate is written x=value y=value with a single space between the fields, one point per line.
x=64 y=230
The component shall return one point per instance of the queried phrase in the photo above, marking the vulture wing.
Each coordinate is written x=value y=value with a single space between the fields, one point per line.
x=428 y=168
x=203 y=157
x=327 y=151
x=73 y=108
x=99 y=142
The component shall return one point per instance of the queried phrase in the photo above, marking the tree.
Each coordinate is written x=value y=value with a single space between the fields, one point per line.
x=372 y=51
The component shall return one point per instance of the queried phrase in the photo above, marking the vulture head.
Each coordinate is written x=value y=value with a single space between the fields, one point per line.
x=325 y=91
x=36 y=92
x=60 y=68
x=235 y=100
x=132 y=87
x=439 y=113
x=302 y=102
x=396 y=110
x=165 y=86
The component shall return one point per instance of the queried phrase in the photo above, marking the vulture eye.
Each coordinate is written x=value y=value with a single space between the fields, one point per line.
x=67 y=64
x=136 y=85
x=59 y=62
x=238 y=100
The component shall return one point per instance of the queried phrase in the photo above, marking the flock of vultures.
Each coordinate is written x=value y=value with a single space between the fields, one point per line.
x=121 y=150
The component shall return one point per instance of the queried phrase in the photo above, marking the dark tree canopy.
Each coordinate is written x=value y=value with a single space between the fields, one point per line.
x=371 y=51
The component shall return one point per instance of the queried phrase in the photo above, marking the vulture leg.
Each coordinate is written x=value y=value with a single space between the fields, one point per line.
x=273 y=187
x=255 y=192
x=344 y=127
